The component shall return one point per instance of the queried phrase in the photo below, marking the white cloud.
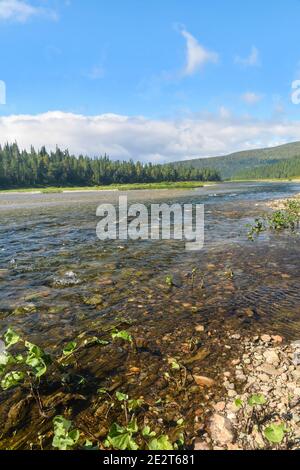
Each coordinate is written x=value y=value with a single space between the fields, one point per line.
x=146 y=139
x=251 y=61
x=21 y=11
x=251 y=98
x=196 y=54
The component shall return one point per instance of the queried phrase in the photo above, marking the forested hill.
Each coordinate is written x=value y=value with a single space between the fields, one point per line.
x=22 y=169
x=285 y=169
x=239 y=163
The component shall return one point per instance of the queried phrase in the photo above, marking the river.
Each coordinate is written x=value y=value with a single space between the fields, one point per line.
x=58 y=282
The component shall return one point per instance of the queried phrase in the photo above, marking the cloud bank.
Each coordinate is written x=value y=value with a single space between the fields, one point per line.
x=146 y=139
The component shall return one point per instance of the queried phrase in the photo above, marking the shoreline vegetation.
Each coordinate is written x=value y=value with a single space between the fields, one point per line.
x=34 y=169
x=181 y=185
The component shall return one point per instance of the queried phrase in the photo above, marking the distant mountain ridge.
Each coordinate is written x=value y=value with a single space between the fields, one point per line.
x=235 y=164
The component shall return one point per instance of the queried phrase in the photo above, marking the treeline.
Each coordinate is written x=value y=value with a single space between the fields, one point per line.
x=40 y=168
x=284 y=169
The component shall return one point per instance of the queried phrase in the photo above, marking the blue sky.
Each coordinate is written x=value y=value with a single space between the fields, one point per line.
x=153 y=79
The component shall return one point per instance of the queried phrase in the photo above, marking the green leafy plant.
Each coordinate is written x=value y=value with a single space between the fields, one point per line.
x=256 y=229
x=275 y=433
x=147 y=433
x=37 y=359
x=10 y=338
x=257 y=400
x=169 y=281
x=12 y=379
x=160 y=443
x=124 y=335
x=135 y=404
x=32 y=365
x=70 y=348
x=64 y=438
x=287 y=218
x=238 y=403
x=122 y=437
x=122 y=396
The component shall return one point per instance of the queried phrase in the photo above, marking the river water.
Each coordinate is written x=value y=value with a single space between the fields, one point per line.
x=58 y=282
x=43 y=237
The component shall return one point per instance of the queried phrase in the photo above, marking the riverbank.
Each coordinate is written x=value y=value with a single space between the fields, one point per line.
x=279 y=204
x=270 y=180
x=261 y=406
x=118 y=187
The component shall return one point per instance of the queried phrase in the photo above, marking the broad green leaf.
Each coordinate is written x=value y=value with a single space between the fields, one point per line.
x=19 y=359
x=275 y=433
x=120 y=438
x=238 y=403
x=134 y=404
x=257 y=400
x=61 y=423
x=161 y=443
x=12 y=379
x=133 y=426
x=70 y=348
x=88 y=445
x=121 y=396
x=123 y=442
x=6 y=359
x=37 y=359
x=122 y=335
x=146 y=432
x=64 y=439
x=10 y=338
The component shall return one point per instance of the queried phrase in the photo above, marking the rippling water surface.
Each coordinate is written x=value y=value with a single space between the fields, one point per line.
x=58 y=283
x=51 y=264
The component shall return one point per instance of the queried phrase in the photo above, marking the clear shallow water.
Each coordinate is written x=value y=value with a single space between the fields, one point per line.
x=238 y=286
x=43 y=237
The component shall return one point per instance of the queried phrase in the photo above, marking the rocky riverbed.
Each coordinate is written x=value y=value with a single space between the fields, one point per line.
x=279 y=204
x=261 y=406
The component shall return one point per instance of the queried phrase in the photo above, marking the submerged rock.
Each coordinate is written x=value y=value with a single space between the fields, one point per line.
x=204 y=381
x=25 y=309
x=17 y=415
x=94 y=301
x=199 y=328
x=68 y=279
x=198 y=357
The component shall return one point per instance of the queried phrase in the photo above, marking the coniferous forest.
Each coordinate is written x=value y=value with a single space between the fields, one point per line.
x=285 y=169
x=22 y=169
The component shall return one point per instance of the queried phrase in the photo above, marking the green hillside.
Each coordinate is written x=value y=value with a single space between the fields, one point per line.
x=243 y=163
x=285 y=169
